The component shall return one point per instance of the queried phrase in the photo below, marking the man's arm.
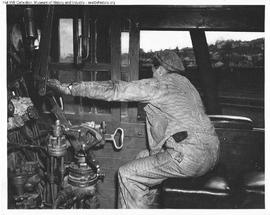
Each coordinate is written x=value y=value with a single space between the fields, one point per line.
x=142 y=90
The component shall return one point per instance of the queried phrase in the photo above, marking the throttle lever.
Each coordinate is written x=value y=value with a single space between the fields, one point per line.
x=111 y=137
x=82 y=130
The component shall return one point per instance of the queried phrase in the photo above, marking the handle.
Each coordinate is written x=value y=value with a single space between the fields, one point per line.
x=121 y=140
x=85 y=48
x=58 y=111
x=83 y=130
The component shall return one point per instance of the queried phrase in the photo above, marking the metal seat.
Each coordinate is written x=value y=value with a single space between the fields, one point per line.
x=208 y=191
x=212 y=190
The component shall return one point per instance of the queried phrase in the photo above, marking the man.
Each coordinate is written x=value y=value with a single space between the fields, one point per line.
x=182 y=140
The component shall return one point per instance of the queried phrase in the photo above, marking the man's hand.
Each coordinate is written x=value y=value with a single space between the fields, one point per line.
x=59 y=87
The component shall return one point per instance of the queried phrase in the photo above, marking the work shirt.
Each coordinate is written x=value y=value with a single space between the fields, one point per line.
x=173 y=105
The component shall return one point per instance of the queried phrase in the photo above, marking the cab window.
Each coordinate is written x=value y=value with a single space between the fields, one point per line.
x=237 y=60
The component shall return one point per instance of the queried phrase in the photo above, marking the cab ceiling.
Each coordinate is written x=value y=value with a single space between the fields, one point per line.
x=250 y=18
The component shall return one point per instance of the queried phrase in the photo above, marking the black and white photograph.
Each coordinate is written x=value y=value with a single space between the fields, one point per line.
x=129 y=105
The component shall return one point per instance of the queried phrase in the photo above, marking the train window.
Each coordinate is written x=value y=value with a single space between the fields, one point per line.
x=125 y=39
x=94 y=52
x=125 y=61
x=237 y=59
x=79 y=36
x=66 y=48
x=66 y=40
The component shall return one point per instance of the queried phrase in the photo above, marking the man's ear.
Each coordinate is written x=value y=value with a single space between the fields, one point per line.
x=162 y=70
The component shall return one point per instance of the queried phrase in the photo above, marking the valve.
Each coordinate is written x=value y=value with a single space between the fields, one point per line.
x=112 y=138
x=117 y=138
x=85 y=135
x=57 y=146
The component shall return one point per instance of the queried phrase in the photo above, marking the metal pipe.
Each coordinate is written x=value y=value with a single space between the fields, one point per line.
x=54 y=184
x=52 y=192
x=48 y=194
x=13 y=146
x=62 y=169
x=52 y=178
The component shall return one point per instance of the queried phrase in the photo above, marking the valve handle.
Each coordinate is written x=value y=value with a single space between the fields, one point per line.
x=111 y=137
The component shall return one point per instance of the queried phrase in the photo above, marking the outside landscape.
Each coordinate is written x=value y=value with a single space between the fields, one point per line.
x=239 y=71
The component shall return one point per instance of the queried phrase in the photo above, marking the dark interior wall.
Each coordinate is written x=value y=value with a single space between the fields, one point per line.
x=110 y=161
x=15 y=14
x=207 y=17
x=213 y=17
x=241 y=150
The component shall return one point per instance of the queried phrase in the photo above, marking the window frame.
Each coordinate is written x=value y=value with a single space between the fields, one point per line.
x=88 y=66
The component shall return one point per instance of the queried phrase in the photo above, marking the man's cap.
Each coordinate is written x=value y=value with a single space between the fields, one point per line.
x=170 y=61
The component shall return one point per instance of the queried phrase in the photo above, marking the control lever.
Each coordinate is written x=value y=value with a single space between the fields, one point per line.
x=111 y=137
x=84 y=134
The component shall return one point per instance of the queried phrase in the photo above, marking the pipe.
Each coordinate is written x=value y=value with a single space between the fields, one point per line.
x=63 y=196
x=52 y=192
x=52 y=178
x=62 y=169
x=14 y=146
x=48 y=194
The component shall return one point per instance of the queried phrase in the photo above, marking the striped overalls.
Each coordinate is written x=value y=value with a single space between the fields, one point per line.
x=174 y=105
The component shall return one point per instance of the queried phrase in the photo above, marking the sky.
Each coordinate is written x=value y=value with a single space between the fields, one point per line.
x=157 y=40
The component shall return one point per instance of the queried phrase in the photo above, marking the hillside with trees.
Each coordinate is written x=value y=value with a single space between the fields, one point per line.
x=224 y=53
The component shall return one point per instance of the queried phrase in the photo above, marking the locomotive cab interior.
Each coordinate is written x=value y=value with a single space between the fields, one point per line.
x=64 y=152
